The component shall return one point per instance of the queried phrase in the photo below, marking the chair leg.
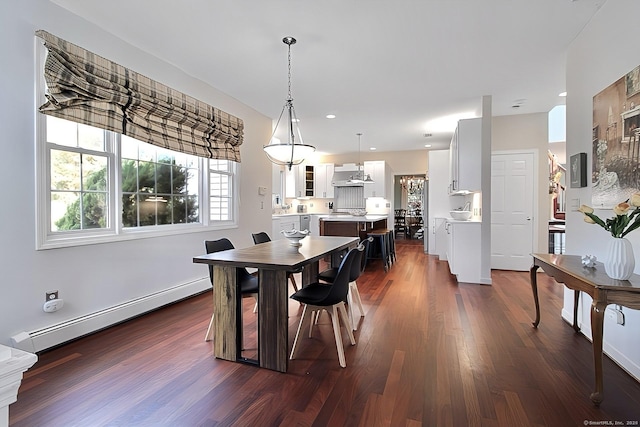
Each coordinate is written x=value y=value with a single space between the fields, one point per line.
x=255 y=307
x=354 y=294
x=352 y=319
x=343 y=313
x=209 y=335
x=336 y=332
x=300 y=326
x=293 y=282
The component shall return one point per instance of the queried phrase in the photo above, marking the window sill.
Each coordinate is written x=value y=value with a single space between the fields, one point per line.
x=59 y=241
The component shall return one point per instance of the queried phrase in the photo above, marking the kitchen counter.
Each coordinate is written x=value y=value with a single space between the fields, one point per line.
x=349 y=225
x=463 y=221
x=352 y=218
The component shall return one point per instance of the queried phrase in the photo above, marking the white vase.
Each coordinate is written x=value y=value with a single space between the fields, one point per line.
x=620 y=262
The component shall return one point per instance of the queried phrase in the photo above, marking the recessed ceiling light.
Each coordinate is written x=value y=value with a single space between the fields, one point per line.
x=562 y=94
x=330 y=116
x=372 y=148
x=427 y=145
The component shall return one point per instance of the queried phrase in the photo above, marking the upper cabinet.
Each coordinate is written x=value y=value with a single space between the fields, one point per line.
x=465 y=154
x=299 y=181
x=322 y=175
x=378 y=172
x=277 y=182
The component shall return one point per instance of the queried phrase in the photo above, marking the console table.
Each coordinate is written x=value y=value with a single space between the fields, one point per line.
x=601 y=288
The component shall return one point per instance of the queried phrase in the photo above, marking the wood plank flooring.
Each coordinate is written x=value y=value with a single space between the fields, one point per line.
x=430 y=352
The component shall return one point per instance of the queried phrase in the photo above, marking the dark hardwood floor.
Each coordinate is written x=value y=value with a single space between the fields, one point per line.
x=429 y=352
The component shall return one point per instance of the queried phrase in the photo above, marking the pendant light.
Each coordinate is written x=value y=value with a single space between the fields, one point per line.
x=359 y=177
x=294 y=151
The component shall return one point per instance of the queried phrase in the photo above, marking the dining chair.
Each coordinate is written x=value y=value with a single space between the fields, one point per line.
x=356 y=271
x=317 y=297
x=248 y=283
x=263 y=237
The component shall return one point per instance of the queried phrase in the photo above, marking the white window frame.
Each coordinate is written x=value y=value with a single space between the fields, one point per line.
x=114 y=232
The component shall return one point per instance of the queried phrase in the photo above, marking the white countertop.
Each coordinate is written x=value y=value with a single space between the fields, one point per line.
x=463 y=221
x=366 y=218
x=284 y=215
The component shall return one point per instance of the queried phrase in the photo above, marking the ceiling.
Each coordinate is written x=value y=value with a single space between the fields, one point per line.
x=385 y=68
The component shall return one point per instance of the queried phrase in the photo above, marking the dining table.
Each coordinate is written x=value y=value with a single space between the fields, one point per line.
x=272 y=260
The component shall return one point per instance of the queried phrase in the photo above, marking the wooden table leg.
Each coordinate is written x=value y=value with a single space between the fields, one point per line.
x=534 y=287
x=576 y=298
x=273 y=334
x=597 y=319
x=227 y=327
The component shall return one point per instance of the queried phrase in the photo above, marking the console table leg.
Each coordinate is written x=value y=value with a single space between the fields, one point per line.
x=534 y=288
x=597 y=319
x=576 y=297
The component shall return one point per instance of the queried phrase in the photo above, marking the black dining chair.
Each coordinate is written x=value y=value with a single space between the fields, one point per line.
x=248 y=283
x=356 y=271
x=317 y=297
x=263 y=237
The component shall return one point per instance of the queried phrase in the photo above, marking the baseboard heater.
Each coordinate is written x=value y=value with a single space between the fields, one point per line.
x=59 y=333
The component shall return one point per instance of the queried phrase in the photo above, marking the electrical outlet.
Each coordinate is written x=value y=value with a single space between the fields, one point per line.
x=51 y=295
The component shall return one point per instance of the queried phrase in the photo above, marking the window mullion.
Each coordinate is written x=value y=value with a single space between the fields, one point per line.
x=113 y=141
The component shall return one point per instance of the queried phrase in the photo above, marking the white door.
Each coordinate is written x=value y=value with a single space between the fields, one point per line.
x=512 y=196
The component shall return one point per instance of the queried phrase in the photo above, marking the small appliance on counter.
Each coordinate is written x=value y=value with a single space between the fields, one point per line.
x=302 y=208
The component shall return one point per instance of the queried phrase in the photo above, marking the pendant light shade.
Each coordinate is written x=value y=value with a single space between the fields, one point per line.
x=359 y=177
x=294 y=151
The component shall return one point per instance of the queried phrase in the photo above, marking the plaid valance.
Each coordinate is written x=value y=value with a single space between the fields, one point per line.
x=87 y=88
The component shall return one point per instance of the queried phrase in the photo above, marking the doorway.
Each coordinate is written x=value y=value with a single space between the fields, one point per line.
x=410 y=206
x=513 y=198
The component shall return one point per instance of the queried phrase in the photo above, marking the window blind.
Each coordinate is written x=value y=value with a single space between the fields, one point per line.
x=86 y=88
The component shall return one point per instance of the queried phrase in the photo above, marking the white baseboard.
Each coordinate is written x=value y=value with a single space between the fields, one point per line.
x=618 y=358
x=62 y=332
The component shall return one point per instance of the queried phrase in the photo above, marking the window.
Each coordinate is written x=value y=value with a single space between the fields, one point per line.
x=221 y=190
x=99 y=185
x=158 y=186
x=79 y=163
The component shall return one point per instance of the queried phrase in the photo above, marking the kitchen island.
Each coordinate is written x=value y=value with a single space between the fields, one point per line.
x=350 y=225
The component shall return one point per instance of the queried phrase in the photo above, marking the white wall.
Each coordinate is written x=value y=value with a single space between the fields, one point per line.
x=439 y=199
x=413 y=162
x=91 y=278
x=606 y=50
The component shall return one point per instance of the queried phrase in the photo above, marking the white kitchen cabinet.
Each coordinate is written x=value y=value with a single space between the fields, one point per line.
x=465 y=153
x=440 y=238
x=276 y=180
x=463 y=250
x=314 y=225
x=322 y=175
x=299 y=181
x=377 y=171
x=287 y=222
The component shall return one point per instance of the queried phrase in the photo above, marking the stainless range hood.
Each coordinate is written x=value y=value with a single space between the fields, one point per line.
x=345 y=179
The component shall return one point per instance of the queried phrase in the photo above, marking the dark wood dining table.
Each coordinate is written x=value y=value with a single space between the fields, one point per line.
x=272 y=259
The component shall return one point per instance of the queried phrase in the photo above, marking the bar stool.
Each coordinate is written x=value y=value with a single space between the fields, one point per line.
x=392 y=246
x=381 y=237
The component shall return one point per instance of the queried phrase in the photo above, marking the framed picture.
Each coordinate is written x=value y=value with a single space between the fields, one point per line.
x=578 y=170
x=632 y=80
